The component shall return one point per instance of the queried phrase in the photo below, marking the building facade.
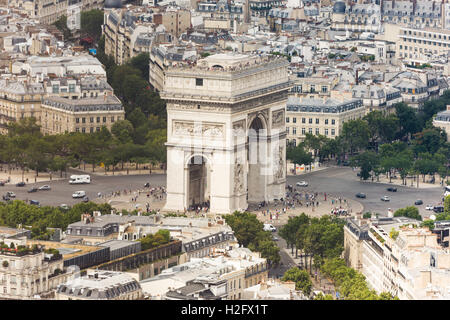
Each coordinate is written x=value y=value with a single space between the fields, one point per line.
x=324 y=116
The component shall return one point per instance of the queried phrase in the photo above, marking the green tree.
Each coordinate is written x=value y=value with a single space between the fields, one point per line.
x=301 y=278
x=356 y=133
x=91 y=23
x=410 y=212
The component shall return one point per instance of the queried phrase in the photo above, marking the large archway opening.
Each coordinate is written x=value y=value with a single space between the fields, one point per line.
x=199 y=182
x=256 y=153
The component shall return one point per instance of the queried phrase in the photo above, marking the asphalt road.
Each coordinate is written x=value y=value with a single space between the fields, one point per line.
x=335 y=181
x=61 y=191
x=343 y=182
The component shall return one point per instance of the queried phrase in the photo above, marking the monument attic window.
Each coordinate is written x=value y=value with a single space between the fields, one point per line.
x=198 y=81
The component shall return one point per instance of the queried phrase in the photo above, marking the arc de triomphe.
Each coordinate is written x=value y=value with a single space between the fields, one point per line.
x=226 y=132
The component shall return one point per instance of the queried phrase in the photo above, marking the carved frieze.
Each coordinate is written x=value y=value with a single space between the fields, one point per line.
x=182 y=128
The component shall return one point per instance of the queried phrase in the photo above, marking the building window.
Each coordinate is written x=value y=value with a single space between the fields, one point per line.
x=97 y=129
x=83 y=120
x=303 y=120
x=104 y=119
x=310 y=120
x=83 y=130
x=310 y=130
x=326 y=132
x=55 y=88
x=77 y=120
x=91 y=119
x=324 y=89
x=91 y=129
x=112 y=119
x=317 y=120
x=198 y=81
x=326 y=121
x=303 y=131
x=333 y=121
x=287 y=119
x=317 y=131
x=294 y=130
x=77 y=129
x=332 y=132
x=98 y=119
x=71 y=87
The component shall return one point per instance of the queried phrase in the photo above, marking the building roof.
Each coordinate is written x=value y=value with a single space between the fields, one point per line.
x=100 y=285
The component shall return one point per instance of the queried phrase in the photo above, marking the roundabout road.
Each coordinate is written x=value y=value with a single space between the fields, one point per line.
x=335 y=181
x=343 y=182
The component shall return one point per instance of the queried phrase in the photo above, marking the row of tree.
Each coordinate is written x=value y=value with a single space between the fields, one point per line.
x=15 y=213
x=26 y=147
x=315 y=238
x=386 y=143
x=249 y=233
x=350 y=283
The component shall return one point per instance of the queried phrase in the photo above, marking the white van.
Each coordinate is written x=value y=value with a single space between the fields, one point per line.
x=80 y=179
x=269 y=227
x=79 y=194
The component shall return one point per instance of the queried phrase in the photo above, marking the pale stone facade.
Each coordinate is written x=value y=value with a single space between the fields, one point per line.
x=442 y=120
x=84 y=115
x=214 y=109
x=22 y=277
x=417 y=46
x=325 y=116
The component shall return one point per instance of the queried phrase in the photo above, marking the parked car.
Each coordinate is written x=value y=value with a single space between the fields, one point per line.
x=6 y=197
x=2 y=183
x=79 y=194
x=34 y=189
x=302 y=184
x=429 y=207
x=85 y=199
x=418 y=202
x=35 y=202
x=269 y=227
x=392 y=189
x=11 y=194
x=361 y=195
x=20 y=184
x=438 y=209
x=385 y=198
x=45 y=187
x=147 y=185
x=64 y=206
x=345 y=163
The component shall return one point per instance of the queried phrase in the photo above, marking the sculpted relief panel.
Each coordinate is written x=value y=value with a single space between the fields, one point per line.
x=277 y=118
x=238 y=176
x=213 y=130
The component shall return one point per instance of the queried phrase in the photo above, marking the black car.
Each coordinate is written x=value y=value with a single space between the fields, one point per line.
x=6 y=198
x=20 y=184
x=438 y=209
x=418 y=202
x=2 y=183
x=345 y=163
x=34 y=189
x=34 y=202
x=147 y=185
x=361 y=195
x=392 y=189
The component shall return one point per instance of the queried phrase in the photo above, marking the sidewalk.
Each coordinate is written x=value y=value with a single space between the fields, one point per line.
x=29 y=176
x=398 y=181
x=353 y=207
x=321 y=283
x=100 y=171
